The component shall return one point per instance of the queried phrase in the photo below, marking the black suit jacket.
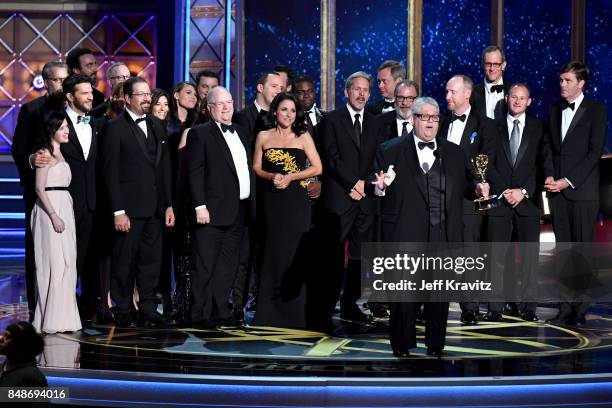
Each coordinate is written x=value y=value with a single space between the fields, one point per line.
x=375 y=108
x=213 y=179
x=479 y=102
x=136 y=182
x=478 y=136
x=533 y=155
x=313 y=128
x=577 y=157
x=404 y=208
x=83 y=185
x=98 y=98
x=388 y=126
x=26 y=138
x=344 y=162
x=251 y=121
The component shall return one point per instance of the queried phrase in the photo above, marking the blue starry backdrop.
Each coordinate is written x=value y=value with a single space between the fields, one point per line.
x=281 y=33
x=454 y=34
x=599 y=55
x=368 y=32
x=537 y=43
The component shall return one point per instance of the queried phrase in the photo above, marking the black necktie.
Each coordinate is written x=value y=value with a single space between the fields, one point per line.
x=497 y=88
x=455 y=117
x=423 y=145
x=387 y=104
x=229 y=127
x=140 y=119
x=404 y=129
x=566 y=105
x=357 y=129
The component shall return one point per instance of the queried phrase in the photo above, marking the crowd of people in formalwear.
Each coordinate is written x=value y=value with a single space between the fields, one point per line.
x=177 y=198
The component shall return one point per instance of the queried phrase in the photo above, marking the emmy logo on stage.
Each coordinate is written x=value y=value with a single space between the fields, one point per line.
x=480 y=163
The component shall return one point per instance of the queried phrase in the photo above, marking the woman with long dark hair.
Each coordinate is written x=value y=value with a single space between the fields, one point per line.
x=280 y=159
x=54 y=233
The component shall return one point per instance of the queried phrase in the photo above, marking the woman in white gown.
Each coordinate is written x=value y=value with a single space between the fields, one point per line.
x=54 y=236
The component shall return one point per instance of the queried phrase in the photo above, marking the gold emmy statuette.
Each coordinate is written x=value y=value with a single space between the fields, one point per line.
x=480 y=163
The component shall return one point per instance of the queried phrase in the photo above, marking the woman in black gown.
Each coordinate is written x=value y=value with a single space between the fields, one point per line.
x=280 y=159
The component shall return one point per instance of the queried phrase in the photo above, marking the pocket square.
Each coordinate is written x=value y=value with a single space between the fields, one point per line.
x=389 y=175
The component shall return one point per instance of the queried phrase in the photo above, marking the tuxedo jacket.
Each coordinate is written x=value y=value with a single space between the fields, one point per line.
x=83 y=185
x=251 y=121
x=375 y=108
x=345 y=161
x=578 y=156
x=478 y=136
x=533 y=158
x=213 y=179
x=26 y=138
x=405 y=207
x=98 y=99
x=479 y=102
x=388 y=126
x=137 y=181
x=314 y=128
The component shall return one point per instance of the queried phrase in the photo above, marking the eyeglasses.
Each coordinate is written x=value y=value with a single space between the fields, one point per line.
x=142 y=94
x=494 y=65
x=426 y=118
x=405 y=98
x=119 y=78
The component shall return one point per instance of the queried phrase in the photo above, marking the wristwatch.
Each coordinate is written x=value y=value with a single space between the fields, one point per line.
x=524 y=192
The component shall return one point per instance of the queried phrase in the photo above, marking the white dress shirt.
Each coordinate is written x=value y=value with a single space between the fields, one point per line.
x=456 y=128
x=510 y=123
x=400 y=124
x=567 y=115
x=388 y=108
x=241 y=164
x=425 y=155
x=142 y=124
x=259 y=108
x=492 y=98
x=82 y=130
x=352 y=113
x=312 y=114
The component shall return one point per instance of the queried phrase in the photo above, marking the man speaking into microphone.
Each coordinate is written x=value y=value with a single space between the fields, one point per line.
x=421 y=181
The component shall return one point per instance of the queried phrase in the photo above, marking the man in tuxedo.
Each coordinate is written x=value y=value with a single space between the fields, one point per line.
x=423 y=203
x=26 y=137
x=81 y=61
x=489 y=97
x=222 y=188
x=205 y=80
x=520 y=154
x=577 y=135
x=117 y=73
x=349 y=137
x=250 y=118
x=288 y=76
x=136 y=170
x=475 y=134
x=399 y=122
x=389 y=74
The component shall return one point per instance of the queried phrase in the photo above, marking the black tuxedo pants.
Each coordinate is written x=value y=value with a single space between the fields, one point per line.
x=87 y=266
x=216 y=259
x=573 y=221
x=137 y=258
x=506 y=271
x=472 y=232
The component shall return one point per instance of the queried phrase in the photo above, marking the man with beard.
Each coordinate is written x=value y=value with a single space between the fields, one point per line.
x=136 y=170
x=349 y=137
x=81 y=61
x=399 y=122
x=25 y=139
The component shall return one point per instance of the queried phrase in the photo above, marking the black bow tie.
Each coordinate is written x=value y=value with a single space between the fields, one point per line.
x=140 y=119
x=423 y=145
x=387 y=104
x=566 y=105
x=455 y=117
x=229 y=127
x=497 y=88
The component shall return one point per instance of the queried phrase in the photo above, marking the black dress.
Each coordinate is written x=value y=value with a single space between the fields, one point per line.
x=287 y=220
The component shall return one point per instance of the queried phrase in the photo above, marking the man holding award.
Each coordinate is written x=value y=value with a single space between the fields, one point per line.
x=521 y=149
x=422 y=182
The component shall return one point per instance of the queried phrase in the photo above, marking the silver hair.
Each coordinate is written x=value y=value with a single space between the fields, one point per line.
x=46 y=71
x=109 y=70
x=355 y=75
x=418 y=104
x=211 y=94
